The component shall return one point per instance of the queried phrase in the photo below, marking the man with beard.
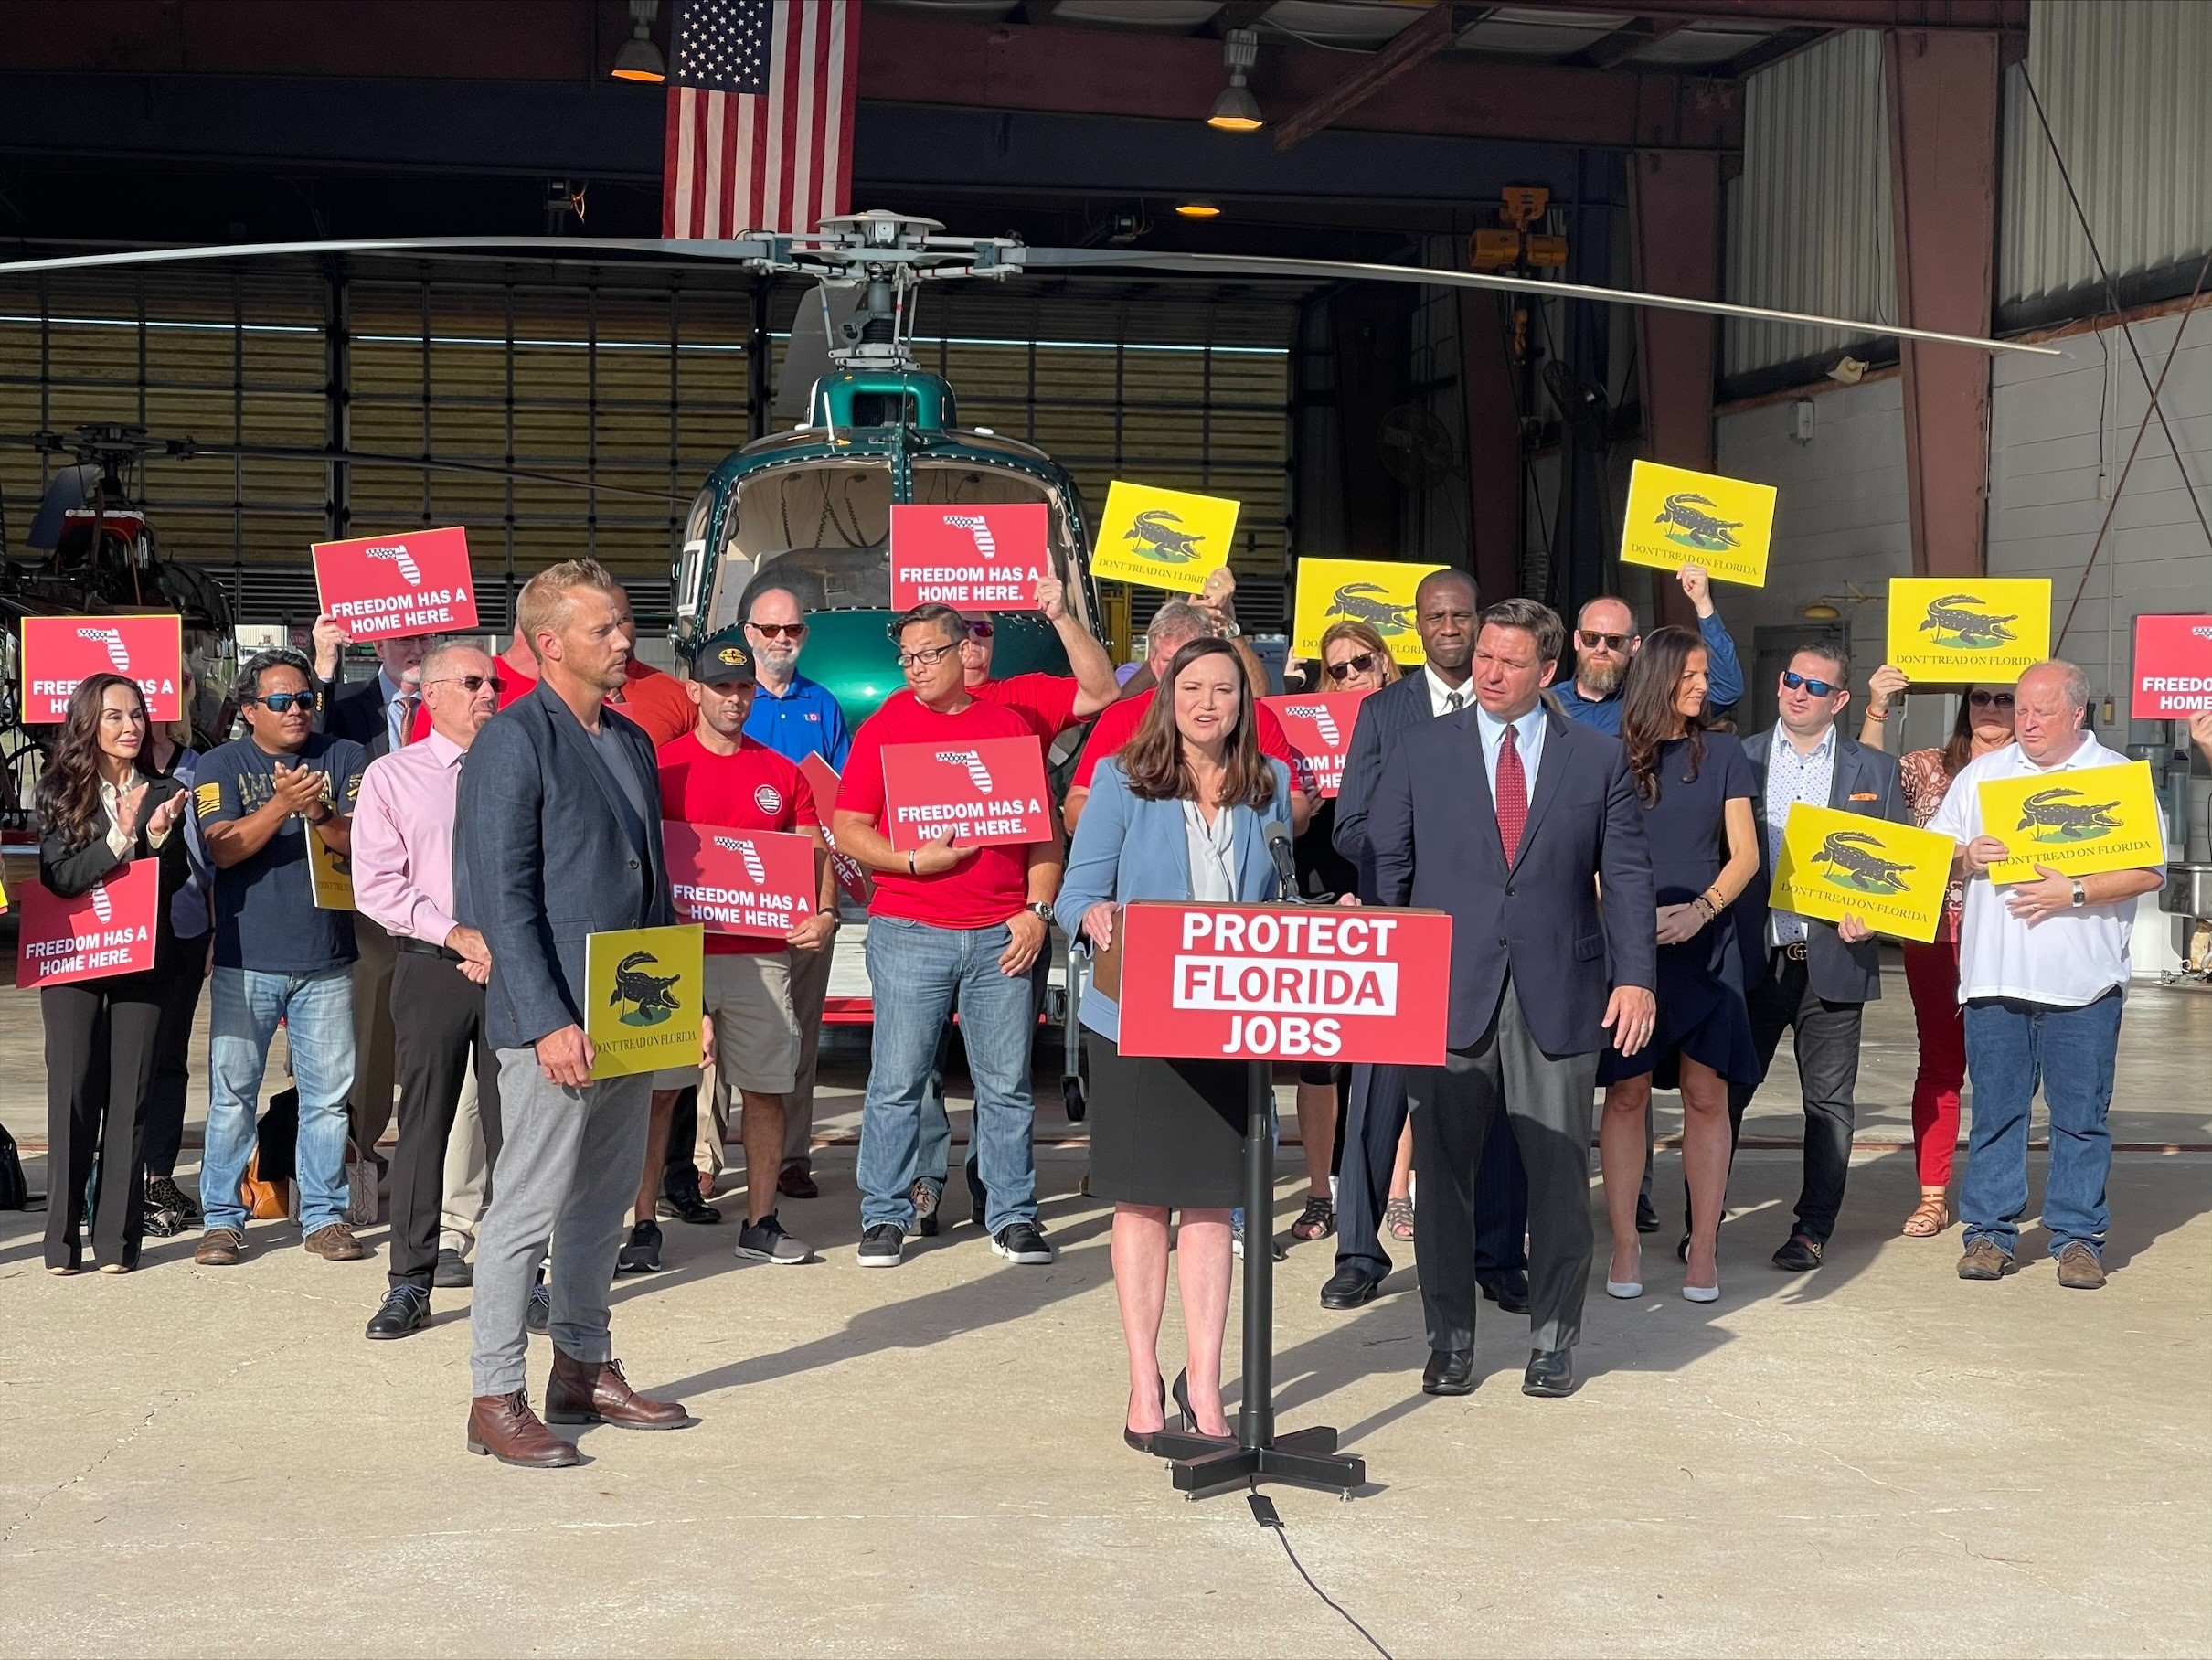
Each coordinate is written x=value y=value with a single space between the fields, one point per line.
x=1606 y=638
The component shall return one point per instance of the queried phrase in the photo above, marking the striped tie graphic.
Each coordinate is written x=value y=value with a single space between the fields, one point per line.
x=113 y=639
x=978 y=526
x=973 y=762
x=1318 y=713
x=398 y=554
x=103 y=907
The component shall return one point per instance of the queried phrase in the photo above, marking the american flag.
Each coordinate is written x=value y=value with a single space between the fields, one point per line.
x=759 y=116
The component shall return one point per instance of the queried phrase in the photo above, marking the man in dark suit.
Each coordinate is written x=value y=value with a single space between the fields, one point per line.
x=1816 y=977
x=557 y=837
x=1444 y=609
x=1502 y=815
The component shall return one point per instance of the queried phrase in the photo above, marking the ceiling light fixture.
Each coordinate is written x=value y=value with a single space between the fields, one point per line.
x=1199 y=208
x=1236 y=111
x=640 y=58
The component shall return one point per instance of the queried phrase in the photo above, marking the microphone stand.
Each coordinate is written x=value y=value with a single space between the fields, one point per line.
x=1199 y=1463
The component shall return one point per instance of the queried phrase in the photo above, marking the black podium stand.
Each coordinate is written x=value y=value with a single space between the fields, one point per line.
x=1201 y=1465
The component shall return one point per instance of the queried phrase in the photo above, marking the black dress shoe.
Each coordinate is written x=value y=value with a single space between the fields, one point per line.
x=681 y=1200
x=1647 y=1219
x=1449 y=1372
x=1509 y=1290
x=1799 y=1253
x=405 y=1308
x=1551 y=1374
x=452 y=1270
x=1348 y=1287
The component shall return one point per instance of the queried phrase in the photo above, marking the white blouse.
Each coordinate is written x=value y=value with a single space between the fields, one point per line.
x=1212 y=853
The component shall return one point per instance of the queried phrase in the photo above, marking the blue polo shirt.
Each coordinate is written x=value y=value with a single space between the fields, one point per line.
x=1724 y=683
x=805 y=721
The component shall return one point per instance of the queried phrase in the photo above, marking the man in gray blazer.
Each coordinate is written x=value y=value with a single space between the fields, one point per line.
x=1811 y=976
x=1509 y=817
x=557 y=837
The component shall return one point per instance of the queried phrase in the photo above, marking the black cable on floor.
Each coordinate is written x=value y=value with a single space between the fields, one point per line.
x=1265 y=1513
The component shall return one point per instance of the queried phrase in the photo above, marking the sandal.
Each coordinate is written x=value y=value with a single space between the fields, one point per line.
x=1930 y=1217
x=1316 y=1221
x=1398 y=1220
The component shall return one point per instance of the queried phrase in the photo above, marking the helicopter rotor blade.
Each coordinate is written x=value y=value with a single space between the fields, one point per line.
x=540 y=247
x=1248 y=265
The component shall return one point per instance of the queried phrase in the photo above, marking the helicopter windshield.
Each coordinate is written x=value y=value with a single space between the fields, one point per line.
x=824 y=530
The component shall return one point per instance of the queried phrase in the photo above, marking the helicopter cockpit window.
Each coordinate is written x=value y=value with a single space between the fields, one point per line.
x=691 y=562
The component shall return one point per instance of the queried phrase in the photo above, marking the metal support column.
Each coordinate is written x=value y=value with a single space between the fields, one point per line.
x=1675 y=208
x=1487 y=376
x=1942 y=113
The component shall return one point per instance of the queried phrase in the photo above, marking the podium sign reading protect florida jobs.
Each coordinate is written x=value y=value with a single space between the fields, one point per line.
x=1677 y=517
x=1296 y=981
x=59 y=654
x=2075 y=822
x=981 y=556
x=388 y=587
x=757 y=882
x=645 y=998
x=987 y=794
x=1319 y=730
x=1891 y=876
x=1956 y=630
x=107 y=930
x=2173 y=667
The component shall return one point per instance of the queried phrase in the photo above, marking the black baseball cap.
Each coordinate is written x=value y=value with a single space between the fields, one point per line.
x=724 y=661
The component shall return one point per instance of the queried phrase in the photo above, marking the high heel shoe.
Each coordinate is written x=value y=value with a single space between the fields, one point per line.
x=1703 y=1293
x=1625 y=1288
x=1190 y=1418
x=1141 y=1440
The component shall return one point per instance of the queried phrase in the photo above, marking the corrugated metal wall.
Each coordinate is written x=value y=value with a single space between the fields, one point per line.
x=1809 y=224
x=2128 y=86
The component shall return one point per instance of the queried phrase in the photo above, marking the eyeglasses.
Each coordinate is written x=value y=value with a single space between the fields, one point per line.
x=778 y=630
x=277 y=703
x=929 y=657
x=1352 y=665
x=470 y=684
x=1798 y=683
x=980 y=629
x=1592 y=640
x=1981 y=700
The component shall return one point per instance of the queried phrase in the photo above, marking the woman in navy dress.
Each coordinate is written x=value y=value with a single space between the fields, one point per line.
x=1697 y=791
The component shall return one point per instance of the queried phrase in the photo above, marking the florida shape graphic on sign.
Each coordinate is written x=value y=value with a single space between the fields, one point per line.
x=387 y=586
x=990 y=793
x=979 y=557
x=59 y=654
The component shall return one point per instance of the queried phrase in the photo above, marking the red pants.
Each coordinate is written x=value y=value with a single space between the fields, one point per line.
x=1931 y=973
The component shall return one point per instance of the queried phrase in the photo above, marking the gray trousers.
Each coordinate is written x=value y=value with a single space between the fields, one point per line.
x=1548 y=1103
x=568 y=1172
x=810 y=978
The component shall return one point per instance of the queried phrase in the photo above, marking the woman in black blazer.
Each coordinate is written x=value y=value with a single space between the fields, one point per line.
x=97 y=811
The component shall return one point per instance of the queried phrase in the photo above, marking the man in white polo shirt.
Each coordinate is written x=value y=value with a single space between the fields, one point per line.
x=2043 y=969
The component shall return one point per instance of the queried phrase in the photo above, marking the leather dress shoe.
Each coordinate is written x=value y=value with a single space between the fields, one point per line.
x=681 y=1200
x=452 y=1270
x=405 y=1308
x=1349 y=1287
x=1799 y=1253
x=1550 y=1374
x=586 y=1391
x=1509 y=1290
x=1449 y=1372
x=795 y=1182
x=505 y=1427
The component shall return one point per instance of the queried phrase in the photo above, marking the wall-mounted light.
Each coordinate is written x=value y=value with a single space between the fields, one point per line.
x=1820 y=611
x=1236 y=111
x=1199 y=208
x=640 y=58
x=1848 y=370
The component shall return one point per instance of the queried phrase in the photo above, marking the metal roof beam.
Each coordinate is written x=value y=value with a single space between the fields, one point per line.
x=1438 y=28
x=1942 y=16
x=1625 y=42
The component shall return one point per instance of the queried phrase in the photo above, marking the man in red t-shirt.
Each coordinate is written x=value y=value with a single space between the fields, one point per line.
x=715 y=775
x=1174 y=627
x=653 y=698
x=951 y=925
x=1051 y=704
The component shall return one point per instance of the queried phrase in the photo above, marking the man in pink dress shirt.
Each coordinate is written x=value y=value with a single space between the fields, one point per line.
x=403 y=879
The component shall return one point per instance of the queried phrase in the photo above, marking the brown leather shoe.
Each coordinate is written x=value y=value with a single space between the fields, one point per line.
x=219 y=1248
x=334 y=1242
x=2080 y=1269
x=505 y=1427
x=583 y=1391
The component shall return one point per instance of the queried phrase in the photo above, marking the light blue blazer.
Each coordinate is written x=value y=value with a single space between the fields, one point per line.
x=1127 y=850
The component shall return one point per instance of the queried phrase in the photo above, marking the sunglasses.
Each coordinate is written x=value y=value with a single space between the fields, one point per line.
x=1981 y=700
x=778 y=630
x=470 y=684
x=929 y=655
x=1592 y=640
x=1352 y=665
x=1799 y=682
x=980 y=629
x=277 y=703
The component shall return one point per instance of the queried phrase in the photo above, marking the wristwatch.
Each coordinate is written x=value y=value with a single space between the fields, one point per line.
x=2081 y=894
x=1040 y=910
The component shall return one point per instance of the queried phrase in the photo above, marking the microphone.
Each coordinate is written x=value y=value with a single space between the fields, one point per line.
x=1279 y=850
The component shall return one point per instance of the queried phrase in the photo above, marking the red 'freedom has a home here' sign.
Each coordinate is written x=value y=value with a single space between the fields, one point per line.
x=759 y=882
x=107 y=930
x=990 y=793
x=388 y=587
x=1305 y=982
x=1319 y=729
x=59 y=654
x=974 y=556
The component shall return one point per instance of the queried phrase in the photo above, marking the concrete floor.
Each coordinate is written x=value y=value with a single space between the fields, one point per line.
x=1876 y=1459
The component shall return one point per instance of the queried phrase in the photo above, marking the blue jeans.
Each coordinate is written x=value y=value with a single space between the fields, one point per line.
x=918 y=974
x=2010 y=1046
x=317 y=1011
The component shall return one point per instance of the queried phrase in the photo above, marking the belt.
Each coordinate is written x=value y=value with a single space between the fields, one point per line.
x=423 y=947
x=1794 y=950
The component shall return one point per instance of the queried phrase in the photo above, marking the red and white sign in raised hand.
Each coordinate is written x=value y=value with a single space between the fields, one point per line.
x=991 y=792
x=977 y=555
x=61 y=653
x=388 y=587
x=1319 y=726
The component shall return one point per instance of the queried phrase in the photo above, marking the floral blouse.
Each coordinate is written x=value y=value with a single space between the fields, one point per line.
x=1926 y=784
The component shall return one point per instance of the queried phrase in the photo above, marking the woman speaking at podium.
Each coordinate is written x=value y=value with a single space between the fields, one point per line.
x=1180 y=813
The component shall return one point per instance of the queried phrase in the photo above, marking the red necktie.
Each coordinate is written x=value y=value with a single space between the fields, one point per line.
x=1512 y=796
